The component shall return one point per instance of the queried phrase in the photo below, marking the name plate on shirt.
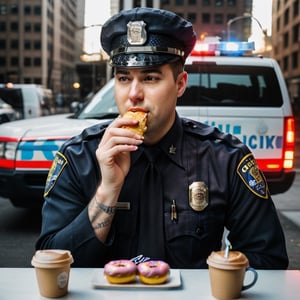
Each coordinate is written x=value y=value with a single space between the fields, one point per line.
x=123 y=205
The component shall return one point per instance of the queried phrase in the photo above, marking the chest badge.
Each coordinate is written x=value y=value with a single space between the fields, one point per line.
x=198 y=195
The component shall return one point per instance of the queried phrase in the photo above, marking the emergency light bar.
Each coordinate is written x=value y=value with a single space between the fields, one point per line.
x=223 y=48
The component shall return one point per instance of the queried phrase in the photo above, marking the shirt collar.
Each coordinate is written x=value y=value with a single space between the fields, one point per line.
x=171 y=144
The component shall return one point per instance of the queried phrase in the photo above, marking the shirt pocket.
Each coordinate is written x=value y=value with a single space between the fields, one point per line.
x=190 y=240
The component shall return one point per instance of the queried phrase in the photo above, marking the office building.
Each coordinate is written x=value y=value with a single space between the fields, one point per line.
x=286 y=43
x=38 y=44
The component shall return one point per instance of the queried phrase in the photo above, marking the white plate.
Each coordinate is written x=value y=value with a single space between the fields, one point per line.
x=99 y=281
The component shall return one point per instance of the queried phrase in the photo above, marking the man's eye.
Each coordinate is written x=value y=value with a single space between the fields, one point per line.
x=123 y=78
x=151 y=78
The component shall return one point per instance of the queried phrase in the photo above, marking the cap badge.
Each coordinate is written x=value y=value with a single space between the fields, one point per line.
x=136 y=32
x=198 y=195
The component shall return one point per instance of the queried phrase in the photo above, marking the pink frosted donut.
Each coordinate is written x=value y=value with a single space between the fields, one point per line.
x=120 y=271
x=153 y=272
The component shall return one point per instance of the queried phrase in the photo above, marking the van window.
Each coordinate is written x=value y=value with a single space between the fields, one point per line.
x=223 y=85
x=14 y=98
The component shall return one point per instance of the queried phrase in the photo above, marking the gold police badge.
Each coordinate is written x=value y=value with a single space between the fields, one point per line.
x=198 y=195
x=136 y=32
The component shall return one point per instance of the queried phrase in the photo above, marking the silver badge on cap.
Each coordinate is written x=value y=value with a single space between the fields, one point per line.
x=198 y=195
x=136 y=32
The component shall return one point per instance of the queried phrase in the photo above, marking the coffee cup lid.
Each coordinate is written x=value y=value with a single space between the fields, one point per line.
x=51 y=258
x=235 y=260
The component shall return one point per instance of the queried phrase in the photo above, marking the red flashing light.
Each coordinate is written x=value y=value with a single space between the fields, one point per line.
x=289 y=143
x=204 y=49
x=286 y=162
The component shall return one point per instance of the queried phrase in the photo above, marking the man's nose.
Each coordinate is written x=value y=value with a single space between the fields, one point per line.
x=136 y=92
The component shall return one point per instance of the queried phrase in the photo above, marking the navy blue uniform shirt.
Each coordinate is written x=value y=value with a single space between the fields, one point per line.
x=237 y=198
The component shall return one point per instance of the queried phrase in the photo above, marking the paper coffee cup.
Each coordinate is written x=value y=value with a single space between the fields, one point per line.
x=52 y=271
x=227 y=274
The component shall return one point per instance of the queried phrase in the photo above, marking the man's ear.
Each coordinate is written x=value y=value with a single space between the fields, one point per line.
x=181 y=83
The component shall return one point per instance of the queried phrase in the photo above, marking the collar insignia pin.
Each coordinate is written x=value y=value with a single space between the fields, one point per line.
x=172 y=149
x=136 y=32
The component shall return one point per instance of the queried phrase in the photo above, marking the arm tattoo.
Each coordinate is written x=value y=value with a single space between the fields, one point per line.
x=103 y=224
x=110 y=210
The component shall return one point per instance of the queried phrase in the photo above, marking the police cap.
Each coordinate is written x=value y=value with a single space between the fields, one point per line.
x=146 y=36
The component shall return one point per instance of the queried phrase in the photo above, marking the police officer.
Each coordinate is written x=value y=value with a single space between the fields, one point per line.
x=113 y=194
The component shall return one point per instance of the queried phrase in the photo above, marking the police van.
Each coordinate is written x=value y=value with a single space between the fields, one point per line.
x=228 y=88
x=29 y=100
x=246 y=95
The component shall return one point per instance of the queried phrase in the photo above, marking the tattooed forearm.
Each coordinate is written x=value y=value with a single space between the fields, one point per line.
x=102 y=224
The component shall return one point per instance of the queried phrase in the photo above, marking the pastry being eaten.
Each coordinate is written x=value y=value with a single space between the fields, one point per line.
x=137 y=114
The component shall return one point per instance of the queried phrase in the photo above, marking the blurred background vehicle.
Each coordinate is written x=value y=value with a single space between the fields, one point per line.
x=29 y=100
x=7 y=113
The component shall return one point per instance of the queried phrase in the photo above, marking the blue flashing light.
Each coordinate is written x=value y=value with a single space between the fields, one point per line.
x=235 y=47
x=223 y=48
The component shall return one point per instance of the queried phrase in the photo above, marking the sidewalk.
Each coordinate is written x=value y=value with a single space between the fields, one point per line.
x=288 y=207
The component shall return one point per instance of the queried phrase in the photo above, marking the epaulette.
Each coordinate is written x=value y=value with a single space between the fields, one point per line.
x=87 y=133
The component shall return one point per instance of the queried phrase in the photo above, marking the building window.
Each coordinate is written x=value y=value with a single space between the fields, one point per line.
x=296 y=8
x=27 y=61
x=278 y=24
x=37 y=10
x=296 y=33
x=27 y=10
x=137 y=3
x=231 y=3
x=14 y=61
x=27 y=27
x=205 y=18
x=2 y=44
x=37 y=80
x=295 y=60
x=14 y=26
x=230 y=16
x=37 y=27
x=14 y=9
x=3 y=27
x=205 y=2
x=2 y=61
x=14 y=44
x=286 y=40
x=285 y=63
x=3 y=9
x=192 y=17
x=179 y=2
x=219 y=3
x=37 y=61
x=37 y=44
x=219 y=18
x=192 y=2
x=286 y=17
x=27 y=44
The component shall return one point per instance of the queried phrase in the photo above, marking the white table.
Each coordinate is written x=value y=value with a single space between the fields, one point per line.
x=20 y=283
